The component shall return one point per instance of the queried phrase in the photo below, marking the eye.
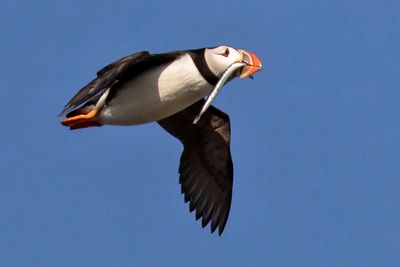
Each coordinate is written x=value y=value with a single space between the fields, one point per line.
x=226 y=52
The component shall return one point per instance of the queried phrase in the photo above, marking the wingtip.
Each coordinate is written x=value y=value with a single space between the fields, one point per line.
x=63 y=112
x=221 y=229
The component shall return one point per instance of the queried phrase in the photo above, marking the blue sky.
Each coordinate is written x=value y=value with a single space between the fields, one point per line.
x=315 y=137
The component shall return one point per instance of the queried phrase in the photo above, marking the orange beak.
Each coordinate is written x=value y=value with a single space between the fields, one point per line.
x=253 y=63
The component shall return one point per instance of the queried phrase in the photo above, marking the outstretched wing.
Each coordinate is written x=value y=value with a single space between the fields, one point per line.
x=206 y=170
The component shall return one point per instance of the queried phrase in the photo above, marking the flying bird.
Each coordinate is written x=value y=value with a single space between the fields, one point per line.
x=169 y=89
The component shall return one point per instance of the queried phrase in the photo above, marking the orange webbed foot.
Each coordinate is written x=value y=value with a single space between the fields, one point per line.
x=82 y=120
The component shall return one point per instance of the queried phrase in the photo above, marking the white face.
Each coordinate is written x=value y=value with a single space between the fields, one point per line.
x=220 y=58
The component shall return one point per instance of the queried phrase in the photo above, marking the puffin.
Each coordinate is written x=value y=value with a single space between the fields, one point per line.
x=174 y=89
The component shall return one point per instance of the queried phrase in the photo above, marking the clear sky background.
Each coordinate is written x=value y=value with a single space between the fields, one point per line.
x=315 y=137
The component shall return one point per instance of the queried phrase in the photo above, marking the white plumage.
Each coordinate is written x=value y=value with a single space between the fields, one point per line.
x=157 y=94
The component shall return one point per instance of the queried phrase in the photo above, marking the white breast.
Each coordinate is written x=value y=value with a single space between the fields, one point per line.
x=156 y=94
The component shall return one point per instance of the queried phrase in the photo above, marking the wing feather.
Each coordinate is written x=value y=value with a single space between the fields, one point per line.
x=106 y=78
x=206 y=170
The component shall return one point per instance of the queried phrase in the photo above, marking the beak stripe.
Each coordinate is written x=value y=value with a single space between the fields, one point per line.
x=253 y=63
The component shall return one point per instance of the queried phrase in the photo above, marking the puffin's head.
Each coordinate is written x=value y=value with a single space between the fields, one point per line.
x=220 y=58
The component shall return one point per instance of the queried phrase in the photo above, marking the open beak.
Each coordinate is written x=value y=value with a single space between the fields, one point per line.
x=253 y=63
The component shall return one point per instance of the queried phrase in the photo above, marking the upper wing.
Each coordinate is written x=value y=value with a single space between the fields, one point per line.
x=104 y=80
x=206 y=170
x=115 y=73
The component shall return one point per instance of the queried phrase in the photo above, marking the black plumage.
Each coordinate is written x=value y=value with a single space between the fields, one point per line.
x=206 y=170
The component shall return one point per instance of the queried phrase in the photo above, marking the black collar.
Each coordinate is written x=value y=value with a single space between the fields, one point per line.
x=199 y=60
